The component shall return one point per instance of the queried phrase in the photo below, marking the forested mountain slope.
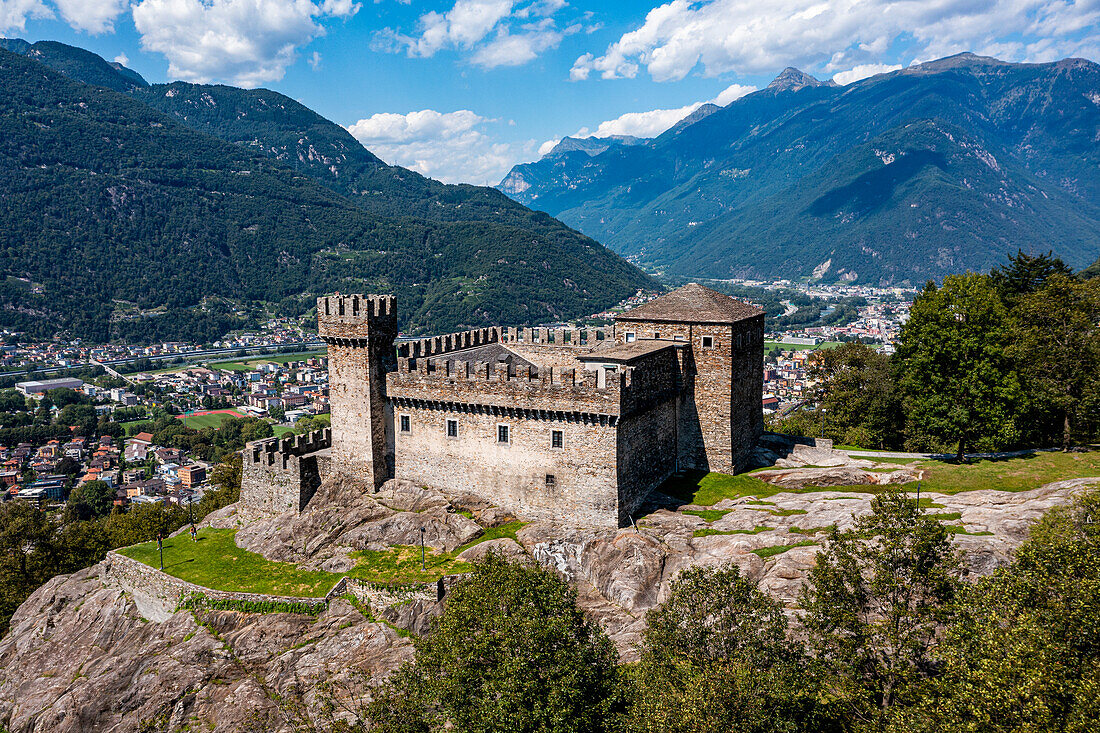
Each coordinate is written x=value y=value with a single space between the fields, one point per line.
x=939 y=168
x=110 y=206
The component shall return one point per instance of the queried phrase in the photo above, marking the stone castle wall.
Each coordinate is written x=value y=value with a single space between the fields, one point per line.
x=281 y=474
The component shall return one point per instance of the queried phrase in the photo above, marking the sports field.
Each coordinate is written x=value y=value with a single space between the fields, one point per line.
x=244 y=365
x=208 y=418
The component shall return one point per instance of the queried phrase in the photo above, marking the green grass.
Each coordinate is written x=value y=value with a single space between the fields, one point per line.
x=809 y=531
x=1021 y=473
x=778 y=512
x=946 y=516
x=766 y=552
x=215 y=561
x=707 y=489
x=708 y=514
x=214 y=420
x=245 y=365
x=707 y=531
x=769 y=345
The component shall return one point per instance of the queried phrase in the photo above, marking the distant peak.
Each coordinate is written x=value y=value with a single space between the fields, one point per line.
x=792 y=79
x=960 y=60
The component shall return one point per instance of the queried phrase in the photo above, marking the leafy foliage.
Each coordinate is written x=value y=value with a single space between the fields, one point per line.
x=511 y=652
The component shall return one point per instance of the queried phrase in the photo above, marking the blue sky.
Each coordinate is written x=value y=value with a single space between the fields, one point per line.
x=462 y=89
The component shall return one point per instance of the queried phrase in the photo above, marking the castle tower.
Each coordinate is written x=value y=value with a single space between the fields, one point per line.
x=720 y=417
x=360 y=332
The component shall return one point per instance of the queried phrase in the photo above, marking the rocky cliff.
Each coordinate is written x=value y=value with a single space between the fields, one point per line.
x=80 y=657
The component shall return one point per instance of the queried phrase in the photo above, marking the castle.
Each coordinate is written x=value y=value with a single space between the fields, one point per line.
x=568 y=425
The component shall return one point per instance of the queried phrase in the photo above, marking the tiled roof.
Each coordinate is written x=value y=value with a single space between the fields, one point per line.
x=693 y=303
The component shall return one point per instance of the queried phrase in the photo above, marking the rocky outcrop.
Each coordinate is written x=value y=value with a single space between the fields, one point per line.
x=80 y=658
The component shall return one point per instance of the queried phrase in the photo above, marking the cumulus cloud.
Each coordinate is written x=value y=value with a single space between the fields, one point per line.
x=732 y=93
x=862 y=72
x=448 y=146
x=747 y=36
x=92 y=17
x=121 y=59
x=644 y=124
x=14 y=14
x=244 y=42
x=496 y=32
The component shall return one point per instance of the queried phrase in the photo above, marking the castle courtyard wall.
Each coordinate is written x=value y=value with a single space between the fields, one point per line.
x=513 y=475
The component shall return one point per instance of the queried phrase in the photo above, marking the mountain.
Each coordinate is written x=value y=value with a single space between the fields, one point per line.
x=942 y=167
x=153 y=211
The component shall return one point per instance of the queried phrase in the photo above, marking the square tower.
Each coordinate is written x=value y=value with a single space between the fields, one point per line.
x=720 y=416
x=360 y=331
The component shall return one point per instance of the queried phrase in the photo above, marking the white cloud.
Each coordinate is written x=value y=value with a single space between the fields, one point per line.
x=315 y=60
x=731 y=93
x=244 y=42
x=547 y=146
x=121 y=59
x=95 y=16
x=448 y=146
x=644 y=124
x=496 y=32
x=747 y=36
x=14 y=14
x=862 y=72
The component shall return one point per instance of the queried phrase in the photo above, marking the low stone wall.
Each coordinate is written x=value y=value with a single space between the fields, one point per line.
x=158 y=595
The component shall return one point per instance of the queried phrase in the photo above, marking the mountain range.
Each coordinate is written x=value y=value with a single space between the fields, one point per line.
x=938 y=168
x=162 y=211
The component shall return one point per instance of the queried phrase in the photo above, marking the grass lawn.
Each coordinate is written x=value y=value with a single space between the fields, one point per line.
x=209 y=419
x=215 y=561
x=1007 y=474
x=1021 y=473
x=245 y=365
x=769 y=345
x=281 y=430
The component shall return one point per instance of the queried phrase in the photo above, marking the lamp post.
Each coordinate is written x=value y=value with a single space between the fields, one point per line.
x=423 y=566
x=823 y=411
x=160 y=549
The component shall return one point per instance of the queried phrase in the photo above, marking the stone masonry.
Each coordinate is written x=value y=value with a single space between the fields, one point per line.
x=575 y=426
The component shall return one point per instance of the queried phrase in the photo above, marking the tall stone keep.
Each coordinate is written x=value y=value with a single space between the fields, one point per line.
x=360 y=331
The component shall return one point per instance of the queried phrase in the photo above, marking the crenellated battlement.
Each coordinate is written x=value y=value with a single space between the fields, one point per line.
x=562 y=337
x=449 y=342
x=279 y=452
x=353 y=316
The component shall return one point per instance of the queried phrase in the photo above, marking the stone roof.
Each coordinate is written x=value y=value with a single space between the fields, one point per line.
x=625 y=353
x=493 y=353
x=693 y=303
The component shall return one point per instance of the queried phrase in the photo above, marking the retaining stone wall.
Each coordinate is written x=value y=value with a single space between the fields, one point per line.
x=159 y=595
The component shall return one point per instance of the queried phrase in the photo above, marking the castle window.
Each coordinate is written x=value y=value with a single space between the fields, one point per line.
x=555 y=439
x=406 y=424
x=656 y=335
x=502 y=434
x=708 y=342
x=452 y=428
x=630 y=336
x=551 y=481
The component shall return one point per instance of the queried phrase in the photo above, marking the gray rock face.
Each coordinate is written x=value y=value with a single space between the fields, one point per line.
x=79 y=658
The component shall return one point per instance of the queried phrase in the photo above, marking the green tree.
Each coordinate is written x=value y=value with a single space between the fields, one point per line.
x=715 y=658
x=1026 y=273
x=855 y=387
x=959 y=386
x=89 y=500
x=875 y=600
x=1024 y=654
x=511 y=653
x=1057 y=344
x=27 y=554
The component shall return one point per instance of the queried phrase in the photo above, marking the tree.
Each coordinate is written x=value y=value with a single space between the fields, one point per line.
x=1026 y=274
x=959 y=386
x=1024 y=654
x=874 y=602
x=277 y=414
x=511 y=653
x=89 y=500
x=27 y=548
x=715 y=657
x=1057 y=344
x=855 y=386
